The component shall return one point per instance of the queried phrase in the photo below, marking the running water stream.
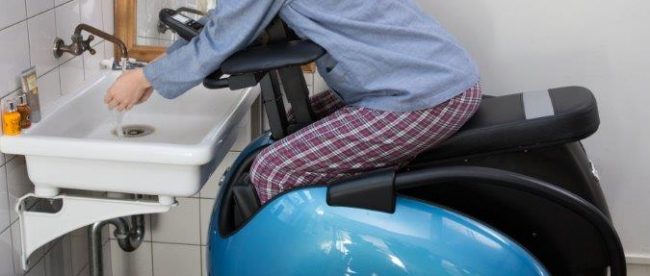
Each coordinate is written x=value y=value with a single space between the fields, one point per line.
x=117 y=115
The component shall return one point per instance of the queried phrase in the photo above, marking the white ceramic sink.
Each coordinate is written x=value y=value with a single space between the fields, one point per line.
x=75 y=147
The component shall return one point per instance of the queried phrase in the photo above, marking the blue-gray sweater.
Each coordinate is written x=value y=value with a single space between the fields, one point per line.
x=382 y=54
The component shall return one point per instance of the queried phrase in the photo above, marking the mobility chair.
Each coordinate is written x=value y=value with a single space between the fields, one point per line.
x=512 y=193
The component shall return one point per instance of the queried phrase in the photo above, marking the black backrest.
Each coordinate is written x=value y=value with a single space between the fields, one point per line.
x=274 y=62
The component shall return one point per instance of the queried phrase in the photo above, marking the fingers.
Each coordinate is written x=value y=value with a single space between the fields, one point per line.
x=113 y=103
x=108 y=97
x=127 y=91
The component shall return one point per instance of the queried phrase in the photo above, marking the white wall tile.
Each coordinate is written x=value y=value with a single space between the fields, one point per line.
x=204 y=261
x=12 y=11
x=206 y=213
x=92 y=63
x=176 y=259
x=37 y=270
x=42 y=32
x=4 y=201
x=179 y=225
x=14 y=57
x=106 y=254
x=6 y=255
x=79 y=249
x=49 y=90
x=91 y=13
x=58 y=260
x=68 y=16
x=107 y=16
x=72 y=75
x=38 y=6
x=138 y=262
x=18 y=183
x=211 y=188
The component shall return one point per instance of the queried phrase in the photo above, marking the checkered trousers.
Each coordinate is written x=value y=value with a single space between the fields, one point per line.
x=350 y=140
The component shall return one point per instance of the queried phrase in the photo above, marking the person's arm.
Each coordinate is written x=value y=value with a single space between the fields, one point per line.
x=176 y=45
x=228 y=29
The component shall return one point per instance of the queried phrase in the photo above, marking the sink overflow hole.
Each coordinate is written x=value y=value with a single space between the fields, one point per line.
x=134 y=131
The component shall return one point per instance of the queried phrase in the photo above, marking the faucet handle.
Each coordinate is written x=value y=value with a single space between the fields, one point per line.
x=86 y=44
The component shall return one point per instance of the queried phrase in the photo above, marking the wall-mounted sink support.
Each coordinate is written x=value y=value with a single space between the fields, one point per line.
x=62 y=214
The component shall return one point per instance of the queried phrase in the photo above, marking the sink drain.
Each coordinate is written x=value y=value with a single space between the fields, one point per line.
x=135 y=131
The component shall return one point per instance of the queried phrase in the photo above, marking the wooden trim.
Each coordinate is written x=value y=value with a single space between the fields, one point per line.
x=125 y=29
x=125 y=12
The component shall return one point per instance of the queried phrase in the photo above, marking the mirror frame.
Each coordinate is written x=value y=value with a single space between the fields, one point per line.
x=125 y=13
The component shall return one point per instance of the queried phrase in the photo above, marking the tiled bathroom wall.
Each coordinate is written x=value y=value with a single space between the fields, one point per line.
x=27 y=32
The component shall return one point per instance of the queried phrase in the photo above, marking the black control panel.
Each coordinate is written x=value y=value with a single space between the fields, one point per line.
x=185 y=27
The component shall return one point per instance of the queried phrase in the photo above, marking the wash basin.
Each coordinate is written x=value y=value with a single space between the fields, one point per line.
x=173 y=146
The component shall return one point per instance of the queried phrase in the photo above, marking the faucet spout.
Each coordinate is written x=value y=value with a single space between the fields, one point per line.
x=79 y=45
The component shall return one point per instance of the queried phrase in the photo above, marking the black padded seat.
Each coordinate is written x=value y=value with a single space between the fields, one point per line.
x=522 y=121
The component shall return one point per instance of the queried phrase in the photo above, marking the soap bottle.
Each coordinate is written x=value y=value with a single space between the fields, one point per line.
x=10 y=119
x=25 y=111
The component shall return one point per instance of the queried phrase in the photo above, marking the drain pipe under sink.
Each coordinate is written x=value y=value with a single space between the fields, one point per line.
x=129 y=236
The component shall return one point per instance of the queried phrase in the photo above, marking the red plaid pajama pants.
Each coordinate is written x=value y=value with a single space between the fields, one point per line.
x=351 y=140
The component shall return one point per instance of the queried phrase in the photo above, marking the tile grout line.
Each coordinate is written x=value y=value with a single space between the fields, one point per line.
x=56 y=22
x=83 y=59
x=27 y=17
x=29 y=42
x=201 y=241
x=8 y=228
x=13 y=247
x=40 y=13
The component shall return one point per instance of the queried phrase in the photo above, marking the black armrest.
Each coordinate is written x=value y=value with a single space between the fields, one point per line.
x=270 y=57
x=215 y=80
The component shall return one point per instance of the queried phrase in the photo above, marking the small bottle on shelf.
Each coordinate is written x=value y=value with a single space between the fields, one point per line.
x=10 y=119
x=25 y=112
x=30 y=87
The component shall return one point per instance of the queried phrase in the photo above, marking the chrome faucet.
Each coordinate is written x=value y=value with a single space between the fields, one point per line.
x=79 y=45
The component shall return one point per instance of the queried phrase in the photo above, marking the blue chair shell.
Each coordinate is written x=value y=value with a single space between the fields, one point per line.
x=299 y=234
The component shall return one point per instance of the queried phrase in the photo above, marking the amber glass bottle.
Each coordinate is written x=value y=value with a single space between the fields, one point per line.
x=10 y=119
x=25 y=112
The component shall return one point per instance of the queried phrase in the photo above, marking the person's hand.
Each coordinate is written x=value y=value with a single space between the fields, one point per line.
x=131 y=88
